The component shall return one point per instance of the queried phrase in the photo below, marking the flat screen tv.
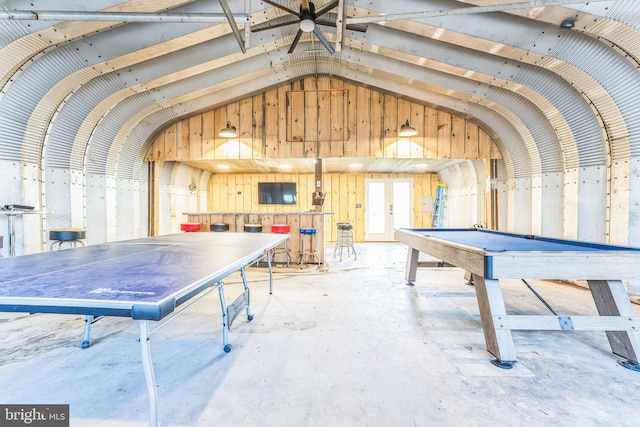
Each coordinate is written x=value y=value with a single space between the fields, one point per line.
x=277 y=193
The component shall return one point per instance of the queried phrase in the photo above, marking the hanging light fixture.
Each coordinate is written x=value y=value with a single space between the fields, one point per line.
x=407 y=130
x=229 y=131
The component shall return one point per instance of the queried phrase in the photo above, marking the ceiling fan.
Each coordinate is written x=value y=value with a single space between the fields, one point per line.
x=308 y=20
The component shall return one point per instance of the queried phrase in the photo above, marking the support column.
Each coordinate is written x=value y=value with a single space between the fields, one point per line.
x=318 y=179
x=493 y=196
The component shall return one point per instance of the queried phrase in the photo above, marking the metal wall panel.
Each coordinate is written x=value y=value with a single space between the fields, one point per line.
x=27 y=91
x=616 y=78
x=64 y=129
x=99 y=159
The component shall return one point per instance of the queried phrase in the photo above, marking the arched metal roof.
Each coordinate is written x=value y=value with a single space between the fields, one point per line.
x=88 y=94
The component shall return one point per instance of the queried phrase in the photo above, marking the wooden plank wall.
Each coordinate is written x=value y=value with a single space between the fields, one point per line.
x=343 y=193
x=321 y=117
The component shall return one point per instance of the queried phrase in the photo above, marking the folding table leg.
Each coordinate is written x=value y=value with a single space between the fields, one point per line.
x=491 y=304
x=149 y=377
x=245 y=297
x=88 y=321
x=86 y=341
x=225 y=322
x=269 y=261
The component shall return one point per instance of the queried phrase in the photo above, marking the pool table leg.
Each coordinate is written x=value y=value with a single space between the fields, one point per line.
x=412 y=265
x=491 y=304
x=612 y=300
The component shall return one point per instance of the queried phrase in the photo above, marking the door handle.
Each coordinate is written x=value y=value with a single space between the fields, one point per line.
x=390 y=209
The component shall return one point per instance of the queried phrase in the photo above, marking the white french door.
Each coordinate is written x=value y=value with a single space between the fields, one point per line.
x=388 y=205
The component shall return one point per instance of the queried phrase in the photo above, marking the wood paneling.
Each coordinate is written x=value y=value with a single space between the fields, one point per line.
x=271 y=132
x=344 y=196
x=208 y=136
x=195 y=136
x=458 y=135
x=444 y=135
x=322 y=117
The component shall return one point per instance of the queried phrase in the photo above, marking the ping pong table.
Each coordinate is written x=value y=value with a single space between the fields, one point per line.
x=490 y=256
x=144 y=279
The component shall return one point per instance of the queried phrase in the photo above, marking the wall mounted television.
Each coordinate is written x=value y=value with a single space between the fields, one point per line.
x=277 y=193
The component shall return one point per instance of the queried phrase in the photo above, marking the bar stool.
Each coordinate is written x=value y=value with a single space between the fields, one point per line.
x=219 y=226
x=71 y=235
x=344 y=239
x=284 y=250
x=253 y=228
x=312 y=251
x=190 y=226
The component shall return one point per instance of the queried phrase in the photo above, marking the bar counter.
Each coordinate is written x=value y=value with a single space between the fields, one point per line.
x=296 y=220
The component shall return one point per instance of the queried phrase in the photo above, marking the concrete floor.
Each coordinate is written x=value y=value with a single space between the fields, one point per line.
x=349 y=346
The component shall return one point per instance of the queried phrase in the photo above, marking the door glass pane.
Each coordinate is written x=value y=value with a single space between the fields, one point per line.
x=376 y=209
x=401 y=205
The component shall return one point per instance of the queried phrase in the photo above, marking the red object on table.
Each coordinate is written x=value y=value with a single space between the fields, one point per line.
x=190 y=226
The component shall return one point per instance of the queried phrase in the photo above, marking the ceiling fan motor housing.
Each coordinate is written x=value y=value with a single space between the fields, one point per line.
x=307 y=18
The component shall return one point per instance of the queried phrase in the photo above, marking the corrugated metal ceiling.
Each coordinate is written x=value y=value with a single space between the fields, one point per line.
x=485 y=66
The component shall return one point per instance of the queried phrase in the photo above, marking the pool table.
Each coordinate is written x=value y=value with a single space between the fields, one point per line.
x=489 y=256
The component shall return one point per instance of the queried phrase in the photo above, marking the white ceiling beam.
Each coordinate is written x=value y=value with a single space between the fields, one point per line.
x=50 y=15
x=341 y=24
x=465 y=10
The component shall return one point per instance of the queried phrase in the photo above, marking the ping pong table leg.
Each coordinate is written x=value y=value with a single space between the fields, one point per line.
x=86 y=341
x=245 y=298
x=88 y=321
x=269 y=260
x=225 y=326
x=149 y=377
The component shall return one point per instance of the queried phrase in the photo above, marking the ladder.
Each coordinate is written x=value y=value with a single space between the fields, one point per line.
x=438 y=206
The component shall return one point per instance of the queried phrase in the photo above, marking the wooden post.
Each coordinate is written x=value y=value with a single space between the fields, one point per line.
x=153 y=198
x=493 y=180
x=318 y=179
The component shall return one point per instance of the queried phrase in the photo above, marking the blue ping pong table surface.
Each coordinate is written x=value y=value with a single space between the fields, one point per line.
x=142 y=278
x=496 y=241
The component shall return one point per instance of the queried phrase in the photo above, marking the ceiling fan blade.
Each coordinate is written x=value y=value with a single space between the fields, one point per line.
x=353 y=27
x=296 y=39
x=323 y=40
x=357 y=27
x=275 y=23
x=326 y=8
x=325 y=22
x=279 y=6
